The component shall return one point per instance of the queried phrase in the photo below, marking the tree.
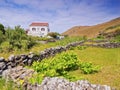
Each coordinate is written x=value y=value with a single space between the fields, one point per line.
x=2 y=37
x=2 y=28
x=53 y=34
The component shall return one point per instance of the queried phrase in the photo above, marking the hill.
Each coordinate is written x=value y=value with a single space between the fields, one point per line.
x=93 y=31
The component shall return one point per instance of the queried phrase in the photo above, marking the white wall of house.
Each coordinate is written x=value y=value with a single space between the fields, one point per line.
x=40 y=31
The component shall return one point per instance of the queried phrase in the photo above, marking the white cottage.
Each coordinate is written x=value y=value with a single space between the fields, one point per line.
x=38 y=29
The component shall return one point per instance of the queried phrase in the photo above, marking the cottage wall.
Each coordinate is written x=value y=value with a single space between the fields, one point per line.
x=38 y=31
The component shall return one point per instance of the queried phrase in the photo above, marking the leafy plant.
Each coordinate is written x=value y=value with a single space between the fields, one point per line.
x=88 y=68
x=61 y=65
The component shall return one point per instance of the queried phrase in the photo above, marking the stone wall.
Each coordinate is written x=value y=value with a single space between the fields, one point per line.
x=19 y=73
x=104 y=45
x=28 y=59
x=8 y=68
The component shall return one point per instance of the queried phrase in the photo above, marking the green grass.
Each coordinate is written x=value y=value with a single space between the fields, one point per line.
x=7 y=85
x=108 y=59
x=39 y=47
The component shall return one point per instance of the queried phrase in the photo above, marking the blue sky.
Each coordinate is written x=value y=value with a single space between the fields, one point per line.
x=60 y=14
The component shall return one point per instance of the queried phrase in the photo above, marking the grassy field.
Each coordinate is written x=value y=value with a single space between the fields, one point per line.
x=108 y=59
x=39 y=47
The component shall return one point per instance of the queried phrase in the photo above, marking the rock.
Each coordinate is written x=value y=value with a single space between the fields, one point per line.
x=18 y=73
x=30 y=55
x=35 y=57
x=17 y=58
x=56 y=83
x=1 y=73
x=11 y=58
x=25 y=61
x=2 y=65
x=30 y=61
x=2 y=59
x=23 y=56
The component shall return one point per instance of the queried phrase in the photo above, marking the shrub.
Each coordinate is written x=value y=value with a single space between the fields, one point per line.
x=2 y=37
x=53 y=34
x=88 y=68
x=6 y=47
x=61 y=65
x=2 y=28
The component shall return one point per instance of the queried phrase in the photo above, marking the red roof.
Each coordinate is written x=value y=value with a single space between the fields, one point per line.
x=39 y=24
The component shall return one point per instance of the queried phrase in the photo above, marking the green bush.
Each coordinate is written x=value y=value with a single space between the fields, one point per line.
x=61 y=65
x=2 y=29
x=88 y=68
x=2 y=37
x=15 y=39
x=5 y=47
x=64 y=62
x=53 y=34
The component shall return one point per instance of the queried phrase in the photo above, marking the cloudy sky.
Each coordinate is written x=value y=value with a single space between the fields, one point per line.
x=60 y=14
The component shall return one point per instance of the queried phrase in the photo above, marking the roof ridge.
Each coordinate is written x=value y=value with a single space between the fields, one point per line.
x=39 y=24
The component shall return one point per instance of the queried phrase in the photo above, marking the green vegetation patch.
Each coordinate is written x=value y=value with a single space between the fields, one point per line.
x=60 y=65
x=108 y=59
x=8 y=85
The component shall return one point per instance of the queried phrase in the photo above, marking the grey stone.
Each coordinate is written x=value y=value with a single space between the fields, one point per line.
x=11 y=58
x=30 y=62
x=2 y=66
x=2 y=59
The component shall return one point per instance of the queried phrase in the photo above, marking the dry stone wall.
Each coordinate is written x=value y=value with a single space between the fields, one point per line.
x=104 y=45
x=24 y=59
x=28 y=59
x=19 y=73
x=8 y=68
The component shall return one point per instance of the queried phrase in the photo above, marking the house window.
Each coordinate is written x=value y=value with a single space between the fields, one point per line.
x=42 y=29
x=33 y=29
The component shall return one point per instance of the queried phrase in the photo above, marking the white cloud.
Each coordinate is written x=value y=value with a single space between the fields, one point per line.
x=61 y=14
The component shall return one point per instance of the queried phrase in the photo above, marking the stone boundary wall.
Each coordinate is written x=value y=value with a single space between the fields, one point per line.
x=55 y=83
x=28 y=59
x=24 y=59
x=105 y=45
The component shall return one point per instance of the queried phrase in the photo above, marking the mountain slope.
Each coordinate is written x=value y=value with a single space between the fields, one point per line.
x=93 y=31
